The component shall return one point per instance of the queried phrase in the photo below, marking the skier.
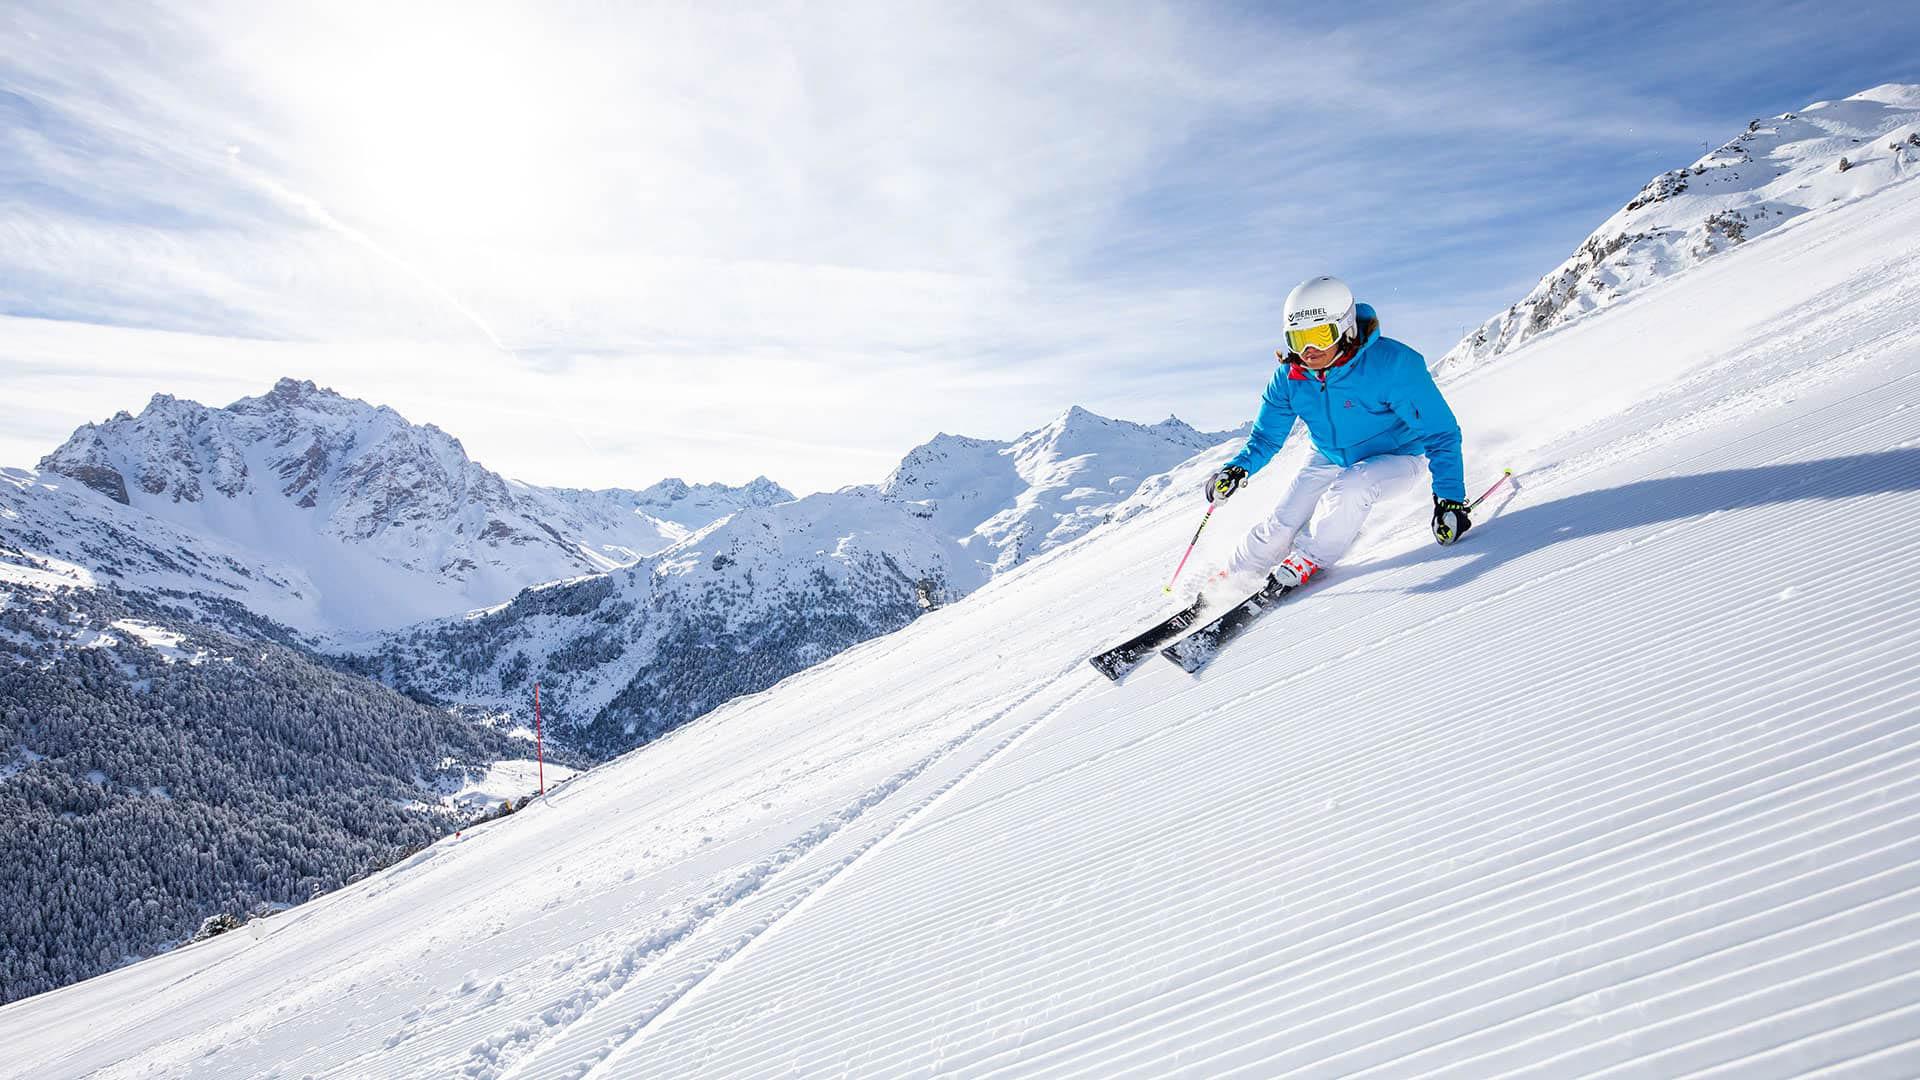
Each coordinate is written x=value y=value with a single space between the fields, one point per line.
x=1371 y=411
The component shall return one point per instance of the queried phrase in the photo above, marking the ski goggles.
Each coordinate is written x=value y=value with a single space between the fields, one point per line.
x=1313 y=337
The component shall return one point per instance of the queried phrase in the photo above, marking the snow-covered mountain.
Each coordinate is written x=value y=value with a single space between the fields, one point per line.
x=667 y=512
x=1769 y=174
x=1626 y=784
x=1009 y=501
x=305 y=515
x=54 y=533
x=329 y=514
x=626 y=656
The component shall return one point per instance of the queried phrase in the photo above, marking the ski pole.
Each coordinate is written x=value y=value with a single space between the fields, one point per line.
x=1196 y=539
x=1505 y=475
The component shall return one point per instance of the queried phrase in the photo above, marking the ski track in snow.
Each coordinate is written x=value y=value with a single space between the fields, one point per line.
x=1653 y=871
x=1626 y=784
x=834 y=848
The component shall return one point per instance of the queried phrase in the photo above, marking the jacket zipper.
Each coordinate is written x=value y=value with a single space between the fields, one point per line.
x=1326 y=401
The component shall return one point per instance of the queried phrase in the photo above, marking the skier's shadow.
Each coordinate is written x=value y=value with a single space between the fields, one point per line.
x=1647 y=503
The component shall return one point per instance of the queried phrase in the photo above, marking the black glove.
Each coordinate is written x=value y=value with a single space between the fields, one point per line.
x=1224 y=482
x=1450 y=521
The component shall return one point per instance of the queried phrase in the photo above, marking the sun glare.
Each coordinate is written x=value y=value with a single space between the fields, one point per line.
x=442 y=129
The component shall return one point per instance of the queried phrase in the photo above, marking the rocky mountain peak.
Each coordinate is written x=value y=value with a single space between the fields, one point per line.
x=693 y=506
x=672 y=489
x=391 y=522
x=85 y=457
x=290 y=395
x=761 y=491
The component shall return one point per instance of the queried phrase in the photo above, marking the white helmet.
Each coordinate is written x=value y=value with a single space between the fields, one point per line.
x=1317 y=303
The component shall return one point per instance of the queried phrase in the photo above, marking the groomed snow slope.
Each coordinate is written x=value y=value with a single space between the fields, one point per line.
x=1626 y=784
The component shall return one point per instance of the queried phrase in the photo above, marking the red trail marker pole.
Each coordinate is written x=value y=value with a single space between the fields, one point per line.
x=539 y=745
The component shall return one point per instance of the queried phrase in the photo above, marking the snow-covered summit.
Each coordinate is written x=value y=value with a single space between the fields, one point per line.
x=388 y=522
x=696 y=504
x=657 y=517
x=1009 y=501
x=1774 y=171
x=1178 y=430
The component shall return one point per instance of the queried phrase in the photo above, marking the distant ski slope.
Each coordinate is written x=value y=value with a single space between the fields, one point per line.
x=1626 y=784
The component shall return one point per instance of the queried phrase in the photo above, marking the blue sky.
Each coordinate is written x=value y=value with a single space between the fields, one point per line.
x=609 y=243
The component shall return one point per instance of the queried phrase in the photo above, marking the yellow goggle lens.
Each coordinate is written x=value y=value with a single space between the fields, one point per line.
x=1313 y=337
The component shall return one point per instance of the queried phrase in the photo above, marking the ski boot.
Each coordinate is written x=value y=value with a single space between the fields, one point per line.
x=1295 y=570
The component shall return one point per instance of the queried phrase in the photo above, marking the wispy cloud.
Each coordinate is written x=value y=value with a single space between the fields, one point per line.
x=798 y=238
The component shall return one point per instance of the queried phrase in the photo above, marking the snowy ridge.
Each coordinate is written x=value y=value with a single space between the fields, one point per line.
x=671 y=510
x=339 y=515
x=1010 y=501
x=1778 y=169
x=1625 y=784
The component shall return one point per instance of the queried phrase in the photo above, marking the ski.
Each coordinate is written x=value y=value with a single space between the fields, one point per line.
x=1193 y=651
x=1129 y=654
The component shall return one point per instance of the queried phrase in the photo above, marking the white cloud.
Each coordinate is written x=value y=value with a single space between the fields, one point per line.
x=718 y=240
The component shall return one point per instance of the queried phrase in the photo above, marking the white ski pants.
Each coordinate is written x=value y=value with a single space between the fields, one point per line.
x=1322 y=511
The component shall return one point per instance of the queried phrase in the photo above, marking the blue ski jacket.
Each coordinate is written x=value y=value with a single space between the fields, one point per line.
x=1381 y=401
